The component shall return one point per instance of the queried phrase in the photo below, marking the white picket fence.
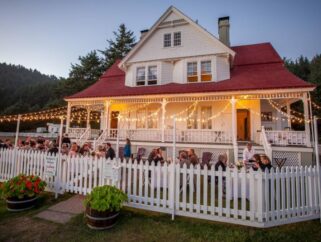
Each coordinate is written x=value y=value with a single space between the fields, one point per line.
x=235 y=196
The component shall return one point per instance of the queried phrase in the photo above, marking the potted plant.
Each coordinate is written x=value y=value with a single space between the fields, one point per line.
x=21 y=192
x=102 y=206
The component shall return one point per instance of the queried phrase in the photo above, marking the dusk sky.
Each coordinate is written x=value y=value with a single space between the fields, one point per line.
x=50 y=35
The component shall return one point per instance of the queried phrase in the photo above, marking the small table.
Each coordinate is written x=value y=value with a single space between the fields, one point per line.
x=280 y=161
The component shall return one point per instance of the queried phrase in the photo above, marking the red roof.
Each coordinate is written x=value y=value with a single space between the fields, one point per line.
x=256 y=67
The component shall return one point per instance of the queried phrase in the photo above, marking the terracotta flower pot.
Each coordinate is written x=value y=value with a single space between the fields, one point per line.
x=101 y=220
x=18 y=205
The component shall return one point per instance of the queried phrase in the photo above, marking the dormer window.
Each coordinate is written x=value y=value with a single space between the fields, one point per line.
x=177 y=39
x=192 y=72
x=142 y=79
x=206 y=71
x=167 y=40
x=140 y=76
x=152 y=75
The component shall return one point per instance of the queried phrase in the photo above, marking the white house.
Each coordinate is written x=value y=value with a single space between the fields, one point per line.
x=219 y=95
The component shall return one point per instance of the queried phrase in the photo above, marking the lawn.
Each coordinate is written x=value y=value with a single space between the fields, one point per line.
x=137 y=225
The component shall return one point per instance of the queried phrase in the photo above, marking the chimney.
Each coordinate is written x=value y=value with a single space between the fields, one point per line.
x=224 y=30
x=143 y=33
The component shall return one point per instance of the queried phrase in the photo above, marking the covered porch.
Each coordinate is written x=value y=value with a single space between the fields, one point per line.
x=263 y=118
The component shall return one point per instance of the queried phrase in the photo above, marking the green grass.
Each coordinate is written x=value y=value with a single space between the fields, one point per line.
x=139 y=225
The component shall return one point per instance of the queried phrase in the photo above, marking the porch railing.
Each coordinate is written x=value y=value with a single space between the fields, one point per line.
x=184 y=136
x=286 y=138
x=266 y=145
x=76 y=132
x=199 y=136
x=136 y=134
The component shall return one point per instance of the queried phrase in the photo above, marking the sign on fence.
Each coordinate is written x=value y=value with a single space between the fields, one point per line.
x=111 y=172
x=51 y=165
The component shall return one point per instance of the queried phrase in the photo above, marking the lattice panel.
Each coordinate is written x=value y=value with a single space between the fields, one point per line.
x=292 y=158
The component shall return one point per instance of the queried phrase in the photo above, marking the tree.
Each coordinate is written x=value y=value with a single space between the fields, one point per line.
x=315 y=77
x=81 y=75
x=118 y=48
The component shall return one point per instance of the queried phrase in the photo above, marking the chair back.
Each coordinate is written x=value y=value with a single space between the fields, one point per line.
x=140 y=153
x=206 y=158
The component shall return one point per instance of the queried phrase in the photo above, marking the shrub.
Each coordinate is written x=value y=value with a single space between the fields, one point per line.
x=22 y=186
x=105 y=198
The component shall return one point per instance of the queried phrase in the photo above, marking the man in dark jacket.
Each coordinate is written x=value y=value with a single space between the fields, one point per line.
x=110 y=153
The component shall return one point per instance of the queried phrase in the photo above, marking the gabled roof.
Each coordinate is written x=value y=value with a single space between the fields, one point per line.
x=256 y=67
x=160 y=20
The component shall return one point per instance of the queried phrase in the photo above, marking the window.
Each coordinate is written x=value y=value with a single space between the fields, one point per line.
x=151 y=119
x=167 y=40
x=206 y=71
x=152 y=75
x=266 y=116
x=140 y=76
x=192 y=72
x=206 y=113
x=177 y=39
x=192 y=118
x=146 y=119
x=140 y=118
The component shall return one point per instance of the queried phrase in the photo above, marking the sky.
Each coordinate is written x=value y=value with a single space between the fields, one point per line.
x=49 y=35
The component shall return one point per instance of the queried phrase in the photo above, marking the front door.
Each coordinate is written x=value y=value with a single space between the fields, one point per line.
x=114 y=120
x=243 y=125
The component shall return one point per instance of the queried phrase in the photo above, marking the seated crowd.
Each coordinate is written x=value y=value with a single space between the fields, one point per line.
x=188 y=157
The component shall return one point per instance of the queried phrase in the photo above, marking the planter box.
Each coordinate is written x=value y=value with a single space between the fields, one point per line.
x=101 y=220
x=18 y=205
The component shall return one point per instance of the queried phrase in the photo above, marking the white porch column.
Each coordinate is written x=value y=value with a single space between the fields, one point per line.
x=104 y=116
x=163 y=118
x=234 y=129
x=88 y=117
x=306 y=117
x=68 y=117
x=288 y=111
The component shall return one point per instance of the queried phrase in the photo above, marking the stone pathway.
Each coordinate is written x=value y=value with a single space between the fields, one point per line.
x=62 y=212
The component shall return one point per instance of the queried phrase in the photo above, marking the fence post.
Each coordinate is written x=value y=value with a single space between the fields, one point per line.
x=173 y=169
x=317 y=158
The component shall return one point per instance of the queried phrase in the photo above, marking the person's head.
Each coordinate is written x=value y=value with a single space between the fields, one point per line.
x=74 y=147
x=222 y=158
x=249 y=145
x=65 y=135
x=128 y=141
x=256 y=158
x=191 y=152
x=183 y=154
x=265 y=160
x=8 y=141
x=85 y=146
x=159 y=150
x=108 y=145
x=100 y=148
x=64 y=146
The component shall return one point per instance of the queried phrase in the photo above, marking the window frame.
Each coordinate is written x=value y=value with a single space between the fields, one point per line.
x=138 y=80
x=206 y=73
x=175 y=39
x=168 y=41
x=192 y=74
x=152 y=81
x=208 y=124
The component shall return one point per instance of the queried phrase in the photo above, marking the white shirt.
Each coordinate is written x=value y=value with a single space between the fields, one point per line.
x=248 y=154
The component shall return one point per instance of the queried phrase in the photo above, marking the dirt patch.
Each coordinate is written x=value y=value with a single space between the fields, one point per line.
x=26 y=229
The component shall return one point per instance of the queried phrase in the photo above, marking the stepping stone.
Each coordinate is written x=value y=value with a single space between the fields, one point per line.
x=55 y=216
x=73 y=205
x=62 y=212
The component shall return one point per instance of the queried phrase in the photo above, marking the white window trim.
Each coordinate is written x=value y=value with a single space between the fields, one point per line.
x=199 y=75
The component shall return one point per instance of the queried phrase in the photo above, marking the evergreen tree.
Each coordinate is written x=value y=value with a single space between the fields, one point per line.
x=118 y=48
